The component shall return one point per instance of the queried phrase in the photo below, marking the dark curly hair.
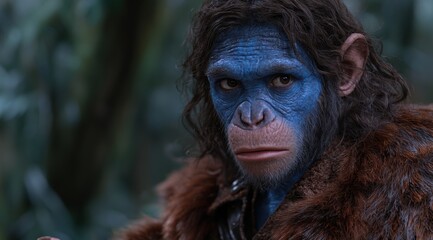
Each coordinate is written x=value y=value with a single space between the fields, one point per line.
x=320 y=27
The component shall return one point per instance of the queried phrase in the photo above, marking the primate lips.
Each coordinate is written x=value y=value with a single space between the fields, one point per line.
x=260 y=154
x=275 y=141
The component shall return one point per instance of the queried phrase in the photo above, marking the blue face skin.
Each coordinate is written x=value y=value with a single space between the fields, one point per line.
x=253 y=56
x=252 y=70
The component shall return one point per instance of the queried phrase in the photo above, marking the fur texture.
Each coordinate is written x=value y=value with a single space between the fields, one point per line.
x=379 y=188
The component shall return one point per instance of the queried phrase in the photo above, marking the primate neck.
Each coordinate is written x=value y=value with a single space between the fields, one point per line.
x=270 y=199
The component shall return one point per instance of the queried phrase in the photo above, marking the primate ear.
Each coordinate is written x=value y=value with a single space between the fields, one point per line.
x=354 y=53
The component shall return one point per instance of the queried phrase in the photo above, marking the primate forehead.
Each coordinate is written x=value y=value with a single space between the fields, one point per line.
x=254 y=48
x=251 y=40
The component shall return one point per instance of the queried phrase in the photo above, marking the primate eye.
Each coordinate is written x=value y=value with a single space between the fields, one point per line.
x=229 y=84
x=282 y=81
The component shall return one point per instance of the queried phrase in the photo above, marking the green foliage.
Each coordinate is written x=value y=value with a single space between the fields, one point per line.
x=90 y=114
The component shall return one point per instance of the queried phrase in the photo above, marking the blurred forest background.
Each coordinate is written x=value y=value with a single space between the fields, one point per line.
x=90 y=112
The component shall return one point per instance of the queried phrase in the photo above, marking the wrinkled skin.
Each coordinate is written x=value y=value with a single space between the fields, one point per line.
x=266 y=97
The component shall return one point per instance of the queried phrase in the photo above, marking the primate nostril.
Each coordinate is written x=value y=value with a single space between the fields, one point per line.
x=245 y=121
x=244 y=118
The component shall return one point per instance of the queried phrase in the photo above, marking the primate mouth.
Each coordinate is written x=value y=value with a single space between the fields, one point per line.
x=260 y=154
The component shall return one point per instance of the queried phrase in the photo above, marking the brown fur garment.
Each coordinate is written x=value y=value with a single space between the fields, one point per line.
x=380 y=188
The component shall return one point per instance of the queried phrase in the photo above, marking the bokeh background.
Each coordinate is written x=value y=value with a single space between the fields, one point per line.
x=90 y=107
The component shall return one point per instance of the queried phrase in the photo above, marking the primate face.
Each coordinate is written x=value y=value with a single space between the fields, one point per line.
x=266 y=96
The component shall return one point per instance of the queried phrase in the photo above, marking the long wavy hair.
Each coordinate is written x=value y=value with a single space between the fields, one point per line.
x=320 y=27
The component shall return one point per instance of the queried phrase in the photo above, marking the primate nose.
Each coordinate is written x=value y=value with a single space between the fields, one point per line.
x=253 y=115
